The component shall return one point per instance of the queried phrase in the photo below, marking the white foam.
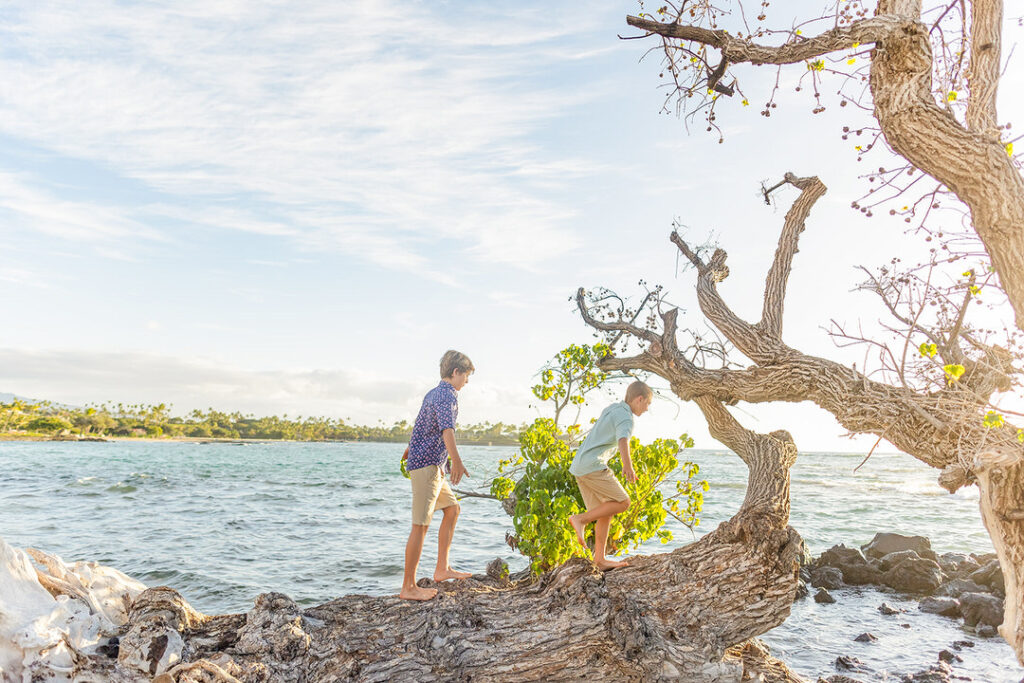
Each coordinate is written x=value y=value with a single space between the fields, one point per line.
x=40 y=633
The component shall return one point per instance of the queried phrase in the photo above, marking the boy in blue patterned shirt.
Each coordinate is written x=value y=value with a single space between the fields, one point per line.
x=427 y=456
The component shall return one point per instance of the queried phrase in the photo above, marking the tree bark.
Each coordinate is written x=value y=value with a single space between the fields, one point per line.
x=1000 y=475
x=971 y=161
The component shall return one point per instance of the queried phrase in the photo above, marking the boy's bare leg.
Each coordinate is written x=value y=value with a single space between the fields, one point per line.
x=607 y=509
x=413 y=550
x=444 y=570
x=600 y=541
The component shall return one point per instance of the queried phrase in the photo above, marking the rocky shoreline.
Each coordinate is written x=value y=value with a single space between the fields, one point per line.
x=960 y=586
x=136 y=633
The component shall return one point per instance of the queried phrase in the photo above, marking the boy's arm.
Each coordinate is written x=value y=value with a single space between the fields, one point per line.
x=458 y=469
x=405 y=456
x=627 y=463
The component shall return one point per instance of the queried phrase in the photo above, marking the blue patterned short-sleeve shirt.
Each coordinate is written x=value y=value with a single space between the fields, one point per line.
x=439 y=412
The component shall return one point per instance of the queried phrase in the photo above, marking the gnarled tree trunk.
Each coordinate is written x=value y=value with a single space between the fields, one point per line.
x=942 y=428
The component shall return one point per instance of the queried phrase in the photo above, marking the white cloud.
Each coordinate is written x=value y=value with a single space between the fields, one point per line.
x=27 y=204
x=375 y=130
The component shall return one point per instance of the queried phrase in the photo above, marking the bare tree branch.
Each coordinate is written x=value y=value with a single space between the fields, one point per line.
x=778 y=276
x=737 y=50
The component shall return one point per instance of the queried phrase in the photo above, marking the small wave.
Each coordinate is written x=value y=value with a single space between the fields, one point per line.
x=84 y=481
x=121 y=487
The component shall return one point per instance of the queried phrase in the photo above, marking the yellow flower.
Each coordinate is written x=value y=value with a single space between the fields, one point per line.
x=951 y=97
x=993 y=419
x=953 y=372
x=851 y=60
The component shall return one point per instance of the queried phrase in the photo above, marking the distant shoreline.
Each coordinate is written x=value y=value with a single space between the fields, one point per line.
x=5 y=437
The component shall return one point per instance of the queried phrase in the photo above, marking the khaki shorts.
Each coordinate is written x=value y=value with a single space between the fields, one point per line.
x=430 y=492
x=600 y=487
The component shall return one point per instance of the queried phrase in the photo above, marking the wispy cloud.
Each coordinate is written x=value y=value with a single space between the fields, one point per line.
x=27 y=203
x=380 y=131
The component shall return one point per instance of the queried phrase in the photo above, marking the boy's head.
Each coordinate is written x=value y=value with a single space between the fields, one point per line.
x=456 y=368
x=639 y=396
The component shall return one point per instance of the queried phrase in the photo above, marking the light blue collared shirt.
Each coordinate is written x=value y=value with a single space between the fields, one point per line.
x=602 y=443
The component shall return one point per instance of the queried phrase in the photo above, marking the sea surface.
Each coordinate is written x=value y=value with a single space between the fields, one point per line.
x=223 y=523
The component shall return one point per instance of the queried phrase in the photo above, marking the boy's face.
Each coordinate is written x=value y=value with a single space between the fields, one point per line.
x=460 y=379
x=640 y=404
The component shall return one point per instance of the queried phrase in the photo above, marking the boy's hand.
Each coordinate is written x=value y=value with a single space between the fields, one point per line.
x=628 y=473
x=458 y=470
x=405 y=456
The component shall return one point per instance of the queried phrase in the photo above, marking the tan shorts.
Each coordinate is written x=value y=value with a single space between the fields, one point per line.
x=600 y=487
x=430 y=492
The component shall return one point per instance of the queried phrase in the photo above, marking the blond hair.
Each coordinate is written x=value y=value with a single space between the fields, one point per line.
x=455 y=360
x=638 y=388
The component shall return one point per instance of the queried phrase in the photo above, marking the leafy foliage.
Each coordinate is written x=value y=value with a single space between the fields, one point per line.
x=543 y=494
x=570 y=376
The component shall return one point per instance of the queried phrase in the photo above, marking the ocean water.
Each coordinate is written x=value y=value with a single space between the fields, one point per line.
x=223 y=523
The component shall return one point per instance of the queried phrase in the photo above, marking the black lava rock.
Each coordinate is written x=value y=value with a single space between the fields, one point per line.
x=847 y=663
x=827 y=577
x=883 y=544
x=957 y=587
x=947 y=607
x=979 y=608
x=887 y=562
x=986 y=631
x=914 y=575
x=887 y=609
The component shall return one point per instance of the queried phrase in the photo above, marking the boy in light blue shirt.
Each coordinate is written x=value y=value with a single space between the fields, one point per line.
x=602 y=493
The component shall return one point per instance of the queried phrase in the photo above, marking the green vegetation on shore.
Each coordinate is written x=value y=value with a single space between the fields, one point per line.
x=27 y=419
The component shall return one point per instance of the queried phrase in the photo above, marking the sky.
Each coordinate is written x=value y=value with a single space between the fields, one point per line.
x=297 y=207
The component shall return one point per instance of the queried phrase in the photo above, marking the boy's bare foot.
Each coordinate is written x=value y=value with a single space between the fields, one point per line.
x=417 y=593
x=445 y=574
x=579 y=528
x=606 y=564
